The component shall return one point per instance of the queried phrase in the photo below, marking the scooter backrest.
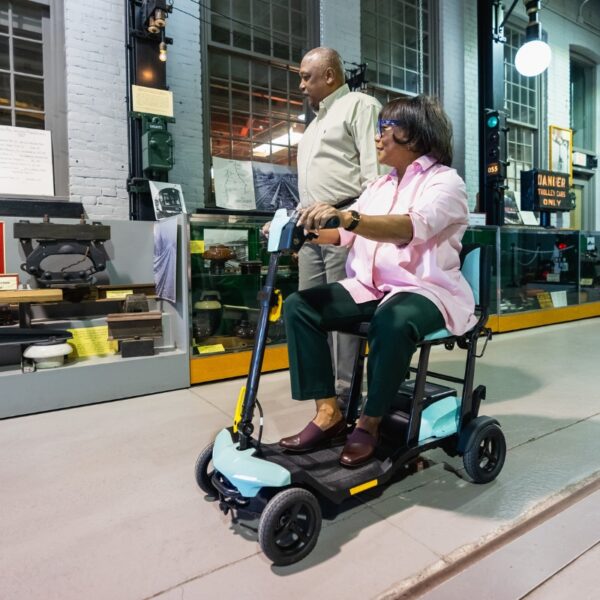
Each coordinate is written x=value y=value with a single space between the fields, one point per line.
x=476 y=263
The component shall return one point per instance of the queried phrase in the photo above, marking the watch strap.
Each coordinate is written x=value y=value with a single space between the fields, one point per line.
x=355 y=220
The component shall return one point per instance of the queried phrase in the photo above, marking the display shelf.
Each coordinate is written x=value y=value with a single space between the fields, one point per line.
x=86 y=380
x=91 y=380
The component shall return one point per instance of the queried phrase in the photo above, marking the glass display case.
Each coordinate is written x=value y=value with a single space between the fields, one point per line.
x=541 y=276
x=538 y=269
x=228 y=264
x=589 y=269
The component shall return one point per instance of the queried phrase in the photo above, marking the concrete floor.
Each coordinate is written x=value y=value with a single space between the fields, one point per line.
x=100 y=502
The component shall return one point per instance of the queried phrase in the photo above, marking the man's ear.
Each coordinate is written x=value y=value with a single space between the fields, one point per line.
x=329 y=75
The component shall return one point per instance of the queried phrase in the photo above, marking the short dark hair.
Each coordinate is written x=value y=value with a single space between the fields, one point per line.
x=426 y=127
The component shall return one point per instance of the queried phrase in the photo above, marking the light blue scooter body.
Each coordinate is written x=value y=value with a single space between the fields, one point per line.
x=440 y=419
x=246 y=472
x=249 y=473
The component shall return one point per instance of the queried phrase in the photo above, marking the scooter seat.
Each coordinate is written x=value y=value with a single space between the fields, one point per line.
x=362 y=330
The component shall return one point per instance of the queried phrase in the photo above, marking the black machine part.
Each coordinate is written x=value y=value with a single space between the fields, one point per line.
x=18 y=335
x=54 y=239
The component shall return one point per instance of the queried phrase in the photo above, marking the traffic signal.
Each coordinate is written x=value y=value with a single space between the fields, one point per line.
x=495 y=145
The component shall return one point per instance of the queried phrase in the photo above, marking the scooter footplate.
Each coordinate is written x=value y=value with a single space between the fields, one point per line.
x=323 y=466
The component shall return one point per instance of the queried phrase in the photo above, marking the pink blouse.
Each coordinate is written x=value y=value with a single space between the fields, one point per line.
x=434 y=197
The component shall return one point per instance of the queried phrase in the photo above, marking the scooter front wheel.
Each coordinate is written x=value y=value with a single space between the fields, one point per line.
x=289 y=526
x=204 y=472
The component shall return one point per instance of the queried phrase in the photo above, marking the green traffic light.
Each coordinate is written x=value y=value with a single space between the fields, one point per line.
x=492 y=121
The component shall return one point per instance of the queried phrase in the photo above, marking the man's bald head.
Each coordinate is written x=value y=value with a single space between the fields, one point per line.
x=328 y=58
x=321 y=73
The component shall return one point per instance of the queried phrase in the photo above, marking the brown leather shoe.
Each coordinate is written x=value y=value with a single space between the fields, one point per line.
x=359 y=448
x=312 y=436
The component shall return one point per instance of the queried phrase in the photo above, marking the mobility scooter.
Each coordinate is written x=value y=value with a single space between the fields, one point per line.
x=251 y=477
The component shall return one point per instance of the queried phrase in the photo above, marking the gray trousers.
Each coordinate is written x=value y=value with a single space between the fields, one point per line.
x=318 y=265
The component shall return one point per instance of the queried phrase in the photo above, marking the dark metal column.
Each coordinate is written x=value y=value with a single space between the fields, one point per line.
x=491 y=98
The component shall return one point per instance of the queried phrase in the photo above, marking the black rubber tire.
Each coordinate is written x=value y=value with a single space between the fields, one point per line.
x=289 y=526
x=484 y=459
x=204 y=472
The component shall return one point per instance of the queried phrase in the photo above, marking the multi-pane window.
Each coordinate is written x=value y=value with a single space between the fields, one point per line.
x=21 y=65
x=256 y=109
x=273 y=28
x=396 y=45
x=583 y=102
x=522 y=101
x=255 y=47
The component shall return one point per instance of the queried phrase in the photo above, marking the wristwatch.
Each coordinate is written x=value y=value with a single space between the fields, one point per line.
x=355 y=220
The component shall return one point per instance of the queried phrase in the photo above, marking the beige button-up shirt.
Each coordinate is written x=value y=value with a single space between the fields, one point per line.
x=337 y=155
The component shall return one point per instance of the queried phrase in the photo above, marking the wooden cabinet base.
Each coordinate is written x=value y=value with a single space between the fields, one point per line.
x=227 y=365
x=538 y=318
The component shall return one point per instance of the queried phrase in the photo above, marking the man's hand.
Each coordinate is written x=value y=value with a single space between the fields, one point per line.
x=265 y=229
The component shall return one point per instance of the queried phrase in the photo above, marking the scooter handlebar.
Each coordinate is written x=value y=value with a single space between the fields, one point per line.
x=332 y=223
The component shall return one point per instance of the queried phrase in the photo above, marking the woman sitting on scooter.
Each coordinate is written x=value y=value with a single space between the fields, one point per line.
x=404 y=234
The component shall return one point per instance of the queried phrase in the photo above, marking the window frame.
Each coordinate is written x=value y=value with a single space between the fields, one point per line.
x=253 y=57
x=590 y=69
x=55 y=120
x=383 y=92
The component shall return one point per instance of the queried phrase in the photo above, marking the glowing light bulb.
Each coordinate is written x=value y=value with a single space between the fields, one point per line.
x=533 y=58
x=162 y=52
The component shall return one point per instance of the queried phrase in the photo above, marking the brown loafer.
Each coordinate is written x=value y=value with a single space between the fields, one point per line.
x=312 y=436
x=359 y=448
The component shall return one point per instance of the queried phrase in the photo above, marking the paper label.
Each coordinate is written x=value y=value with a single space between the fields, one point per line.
x=92 y=341
x=26 y=161
x=544 y=300
x=9 y=283
x=196 y=246
x=152 y=101
x=118 y=294
x=559 y=299
x=211 y=349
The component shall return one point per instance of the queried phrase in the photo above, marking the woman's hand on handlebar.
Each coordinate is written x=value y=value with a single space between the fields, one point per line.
x=316 y=216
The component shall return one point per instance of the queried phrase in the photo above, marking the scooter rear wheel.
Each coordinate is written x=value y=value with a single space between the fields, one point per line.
x=485 y=458
x=289 y=526
x=204 y=472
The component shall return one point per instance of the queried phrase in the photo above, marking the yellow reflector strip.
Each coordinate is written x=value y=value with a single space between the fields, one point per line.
x=363 y=486
x=237 y=417
x=275 y=312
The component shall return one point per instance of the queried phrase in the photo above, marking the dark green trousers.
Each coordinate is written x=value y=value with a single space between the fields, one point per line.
x=395 y=329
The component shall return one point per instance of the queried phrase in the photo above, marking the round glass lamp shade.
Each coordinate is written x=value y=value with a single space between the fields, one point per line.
x=48 y=356
x=533 y=58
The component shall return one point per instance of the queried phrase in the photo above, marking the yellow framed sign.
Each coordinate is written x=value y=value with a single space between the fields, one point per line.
x=561 y=150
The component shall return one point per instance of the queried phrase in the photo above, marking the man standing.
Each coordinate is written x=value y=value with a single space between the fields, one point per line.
x=336 y=159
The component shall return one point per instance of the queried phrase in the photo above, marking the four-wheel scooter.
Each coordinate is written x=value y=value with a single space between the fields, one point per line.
x=251 y=477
